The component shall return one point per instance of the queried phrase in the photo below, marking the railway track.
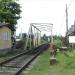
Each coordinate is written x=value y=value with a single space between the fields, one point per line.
x=15 y=65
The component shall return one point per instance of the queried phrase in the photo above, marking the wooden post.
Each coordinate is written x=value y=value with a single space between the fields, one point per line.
x=52 y=50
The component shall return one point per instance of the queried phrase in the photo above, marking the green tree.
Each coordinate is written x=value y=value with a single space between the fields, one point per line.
x=10 y=13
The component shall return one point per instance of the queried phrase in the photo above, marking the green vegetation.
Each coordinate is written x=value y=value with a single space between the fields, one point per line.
x=6 y=56
x=65 y=65
x=9 y=12
x=57 y=42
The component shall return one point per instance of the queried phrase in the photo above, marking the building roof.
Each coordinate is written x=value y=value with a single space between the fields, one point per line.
x=4 y=25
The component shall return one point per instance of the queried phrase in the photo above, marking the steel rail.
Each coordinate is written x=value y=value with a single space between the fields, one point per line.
x=31 y=56
x=14 y=57
x=38 y=53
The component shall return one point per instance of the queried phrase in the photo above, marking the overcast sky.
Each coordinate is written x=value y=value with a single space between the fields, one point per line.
x=46 y=11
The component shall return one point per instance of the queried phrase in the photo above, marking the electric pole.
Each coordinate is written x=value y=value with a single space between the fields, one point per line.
x=67 y=40
x=66 y=21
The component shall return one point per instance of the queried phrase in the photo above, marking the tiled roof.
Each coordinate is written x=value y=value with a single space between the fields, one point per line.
x=3 y=24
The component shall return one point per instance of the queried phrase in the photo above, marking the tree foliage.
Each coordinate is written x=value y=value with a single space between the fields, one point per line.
x=9 y=12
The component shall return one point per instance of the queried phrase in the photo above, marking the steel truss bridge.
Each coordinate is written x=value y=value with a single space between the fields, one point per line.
x=34 y=33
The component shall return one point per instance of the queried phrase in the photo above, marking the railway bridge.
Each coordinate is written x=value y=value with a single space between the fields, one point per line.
x=34 y=34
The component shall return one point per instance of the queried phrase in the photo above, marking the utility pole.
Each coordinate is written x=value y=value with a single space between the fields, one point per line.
x=66 y=20
x=67 y=40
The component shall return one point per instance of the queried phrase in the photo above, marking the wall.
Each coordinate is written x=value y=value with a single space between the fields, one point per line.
x=4 y=43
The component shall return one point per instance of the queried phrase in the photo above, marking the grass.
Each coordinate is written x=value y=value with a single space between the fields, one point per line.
x=57 y=42
x=65 y=65
x=6 y=56
x=42 y=65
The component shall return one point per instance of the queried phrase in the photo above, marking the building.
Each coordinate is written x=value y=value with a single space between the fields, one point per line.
x=71 y=31
x=71 y=34
x=5 y=36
